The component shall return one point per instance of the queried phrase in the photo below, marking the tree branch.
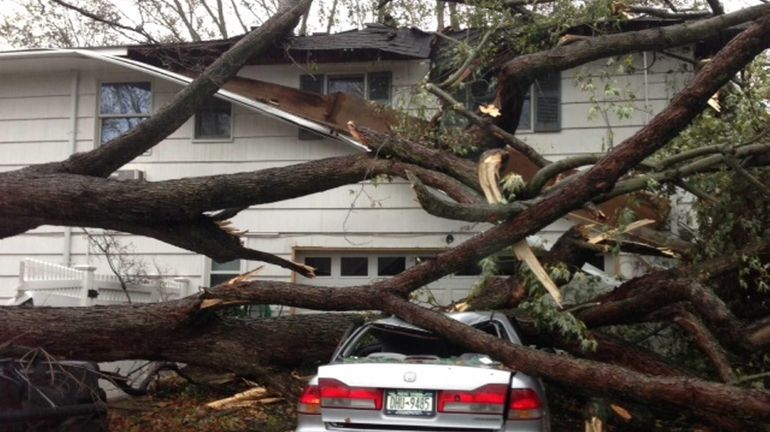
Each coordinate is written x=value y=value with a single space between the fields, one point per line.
x=666 y=14
x=686 y=392
x=479 y=212
x=702 y=337
x=389 y=145
x=138 y=30
x=518 y=74
x=488 y=126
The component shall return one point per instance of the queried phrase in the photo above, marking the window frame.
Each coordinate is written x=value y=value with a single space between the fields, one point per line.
x=339 y=258
x=470 y=103
x=332 y=267
x=210 y=271
x=100 y=116
x=409 y=261
x=341 y=76
x=305 y=135
x=231 y=127
x=367 y=83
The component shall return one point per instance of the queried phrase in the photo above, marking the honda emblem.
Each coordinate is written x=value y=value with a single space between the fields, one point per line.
x=410 y=377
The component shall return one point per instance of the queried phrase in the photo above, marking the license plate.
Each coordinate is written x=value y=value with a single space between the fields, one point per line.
x=418 y=403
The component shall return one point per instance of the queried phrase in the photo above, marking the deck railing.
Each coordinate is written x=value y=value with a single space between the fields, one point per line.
x=82 y=283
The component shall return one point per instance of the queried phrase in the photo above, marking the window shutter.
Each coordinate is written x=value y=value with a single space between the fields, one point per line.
x=380 y=85
x=311 y=83
x=547 y=92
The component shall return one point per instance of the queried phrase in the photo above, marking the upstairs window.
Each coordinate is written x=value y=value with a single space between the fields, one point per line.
x=122 y=106
x=541 y=113
x=213 y=120
x=348 y=84
x=372 y=86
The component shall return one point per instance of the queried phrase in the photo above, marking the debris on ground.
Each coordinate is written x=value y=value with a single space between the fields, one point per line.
x=179 y=405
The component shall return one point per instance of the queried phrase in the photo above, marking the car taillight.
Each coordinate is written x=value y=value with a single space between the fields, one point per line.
x=489 y=399
x=336 y=394
x=525 y=404
x=310 y=401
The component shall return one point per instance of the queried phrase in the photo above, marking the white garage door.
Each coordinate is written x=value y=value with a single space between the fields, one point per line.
x=357 y=267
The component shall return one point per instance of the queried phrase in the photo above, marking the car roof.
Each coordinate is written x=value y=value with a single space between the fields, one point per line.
x=468 y=318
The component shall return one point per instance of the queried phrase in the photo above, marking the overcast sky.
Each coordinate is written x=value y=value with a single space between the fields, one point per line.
x=315 y=23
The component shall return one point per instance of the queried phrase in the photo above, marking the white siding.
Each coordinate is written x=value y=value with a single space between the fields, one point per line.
x=35 y=128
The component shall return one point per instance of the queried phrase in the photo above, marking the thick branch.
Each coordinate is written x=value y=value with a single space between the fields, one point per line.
x=383 y=144
x=707 y=344
x=716 y=7
x=105 y=202
x=683 y=392
x=441 y=207
x=667 y=14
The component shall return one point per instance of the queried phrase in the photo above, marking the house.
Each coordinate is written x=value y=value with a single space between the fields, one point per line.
x=56 y=102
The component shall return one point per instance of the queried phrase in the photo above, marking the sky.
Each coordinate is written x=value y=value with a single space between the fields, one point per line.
x=315 y=23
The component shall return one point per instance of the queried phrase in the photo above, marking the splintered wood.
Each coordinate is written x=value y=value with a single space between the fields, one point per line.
x=489 y=175
x=256 y=395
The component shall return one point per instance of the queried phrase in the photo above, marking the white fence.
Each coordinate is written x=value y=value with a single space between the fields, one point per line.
x=56 y=285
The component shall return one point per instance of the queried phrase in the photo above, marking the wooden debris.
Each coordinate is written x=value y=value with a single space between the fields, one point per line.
x=594 y=425
x=218 y=303
x=612 y=233
x=489 y=175
x=622 y=412
x=249 y=396
x=244 y=277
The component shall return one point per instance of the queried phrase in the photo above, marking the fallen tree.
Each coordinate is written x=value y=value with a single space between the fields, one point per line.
x=189 y=213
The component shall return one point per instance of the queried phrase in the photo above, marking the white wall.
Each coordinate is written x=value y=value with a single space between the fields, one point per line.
x=35 y=128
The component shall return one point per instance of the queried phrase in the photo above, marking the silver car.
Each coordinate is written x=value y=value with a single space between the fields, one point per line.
x=389 y=375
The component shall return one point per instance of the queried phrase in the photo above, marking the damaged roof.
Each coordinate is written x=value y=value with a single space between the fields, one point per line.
x=373 y=42
x=408 y=42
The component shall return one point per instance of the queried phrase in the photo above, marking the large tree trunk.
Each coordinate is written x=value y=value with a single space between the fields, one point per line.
x=176 y=331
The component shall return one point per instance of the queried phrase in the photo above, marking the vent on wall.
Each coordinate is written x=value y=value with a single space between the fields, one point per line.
x=128 y=174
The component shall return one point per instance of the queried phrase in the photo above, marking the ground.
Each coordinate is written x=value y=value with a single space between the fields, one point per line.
x=178 y=406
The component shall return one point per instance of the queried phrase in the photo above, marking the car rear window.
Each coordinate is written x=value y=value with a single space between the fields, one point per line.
x=409 y=342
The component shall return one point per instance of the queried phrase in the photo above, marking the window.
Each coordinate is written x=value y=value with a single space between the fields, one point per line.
x=390 y=265
x=541 y=113
x=213 y=120
x=348 y=84
x=354 y=266
x=223 y=272
x=122 y=106
x=373 y=86
x=472 y=269
x=322 y=265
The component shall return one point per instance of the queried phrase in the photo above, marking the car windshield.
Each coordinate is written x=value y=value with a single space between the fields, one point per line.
x=379 y=338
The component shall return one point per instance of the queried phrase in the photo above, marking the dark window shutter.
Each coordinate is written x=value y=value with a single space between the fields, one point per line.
x=380 y=85
x=482 y=92
x=311 y=83
x=547 y=92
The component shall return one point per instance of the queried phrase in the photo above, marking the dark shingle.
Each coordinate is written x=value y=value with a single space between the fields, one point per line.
x=408 y=42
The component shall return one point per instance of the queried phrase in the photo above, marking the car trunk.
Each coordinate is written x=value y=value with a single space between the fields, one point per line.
x=420 y=393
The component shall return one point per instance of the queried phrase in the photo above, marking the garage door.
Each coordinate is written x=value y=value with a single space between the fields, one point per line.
x=357 y=267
